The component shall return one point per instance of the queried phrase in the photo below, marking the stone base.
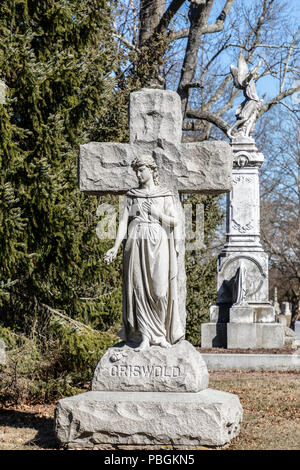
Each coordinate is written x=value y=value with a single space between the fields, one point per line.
x=262 y=313
x=214 y=335
x=219 y=313
x=242 y=335
x=241 y=314
x=2 y=353
x=255 y=335
x=209 y=417
x=179 y=368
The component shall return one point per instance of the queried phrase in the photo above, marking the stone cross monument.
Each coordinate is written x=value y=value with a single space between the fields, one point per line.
x=156 y=392
x=243 y=260
x=155 y=123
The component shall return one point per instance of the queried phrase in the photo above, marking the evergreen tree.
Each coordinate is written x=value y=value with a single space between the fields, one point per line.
x=57 y=59
x=201 y=269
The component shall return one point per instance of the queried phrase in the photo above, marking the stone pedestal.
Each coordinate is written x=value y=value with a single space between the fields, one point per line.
x=155 y=396
x=243 y=252
x=254 y=336
x=209 y=418
x=284 y=316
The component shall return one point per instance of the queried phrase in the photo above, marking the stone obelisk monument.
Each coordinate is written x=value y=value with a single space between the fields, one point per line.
x=243 y=316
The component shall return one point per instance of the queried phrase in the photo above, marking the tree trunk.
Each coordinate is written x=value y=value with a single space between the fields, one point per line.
x=199 y=15
x=150 y=16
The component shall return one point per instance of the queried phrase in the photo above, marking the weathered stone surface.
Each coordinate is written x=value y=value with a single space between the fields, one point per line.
x=2 y=353
x=156 y=114
x=155 y=121
x=188 y=168
x=281 y=319
x=252 y=327
x=176 y=369
x=290 y=338
x=214 y=335
x=242 y=335
x=209 y=417
x=255 y=335
x=241 y=314
x=297 y=330
x=256 y=263
x=155 y=128
x=219 y=313
x=286 y=308
x=264 y=314
x=252 y=361
x=243 y=241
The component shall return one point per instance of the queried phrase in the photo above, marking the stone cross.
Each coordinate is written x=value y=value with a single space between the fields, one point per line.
x=155 y=122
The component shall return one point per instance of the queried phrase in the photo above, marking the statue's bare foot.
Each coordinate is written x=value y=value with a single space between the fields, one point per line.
x=143 y=345
x=164 y=344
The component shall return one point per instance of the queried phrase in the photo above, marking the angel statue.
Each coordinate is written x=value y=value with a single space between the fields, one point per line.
x=149 y=222
x=246 y=114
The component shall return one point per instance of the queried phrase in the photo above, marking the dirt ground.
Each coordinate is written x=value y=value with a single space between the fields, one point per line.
x=270 y=400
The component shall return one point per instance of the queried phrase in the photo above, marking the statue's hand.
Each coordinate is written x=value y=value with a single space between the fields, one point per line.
x=110 y=255
x=151 y=209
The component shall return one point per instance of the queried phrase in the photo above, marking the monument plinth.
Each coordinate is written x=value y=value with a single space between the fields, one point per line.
x=153 y=388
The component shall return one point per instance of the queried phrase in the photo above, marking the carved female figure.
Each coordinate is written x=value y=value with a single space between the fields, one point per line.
x=150 y=305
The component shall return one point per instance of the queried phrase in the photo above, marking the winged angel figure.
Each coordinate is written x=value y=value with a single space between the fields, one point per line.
x=247 y=111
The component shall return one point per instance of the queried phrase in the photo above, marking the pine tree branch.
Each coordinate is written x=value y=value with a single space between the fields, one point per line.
x=79 y=325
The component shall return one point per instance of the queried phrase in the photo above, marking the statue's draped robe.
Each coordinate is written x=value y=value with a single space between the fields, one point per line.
x=250 y=106
x=150 y=302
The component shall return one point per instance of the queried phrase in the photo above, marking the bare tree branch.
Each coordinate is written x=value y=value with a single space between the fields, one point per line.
x=277 y=99
x=210 y=117
x=168 y=15
x=124 y=40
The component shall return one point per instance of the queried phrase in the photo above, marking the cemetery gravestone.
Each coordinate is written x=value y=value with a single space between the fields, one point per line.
x=154 y=393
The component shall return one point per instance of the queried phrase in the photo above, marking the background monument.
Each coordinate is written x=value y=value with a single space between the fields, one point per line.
x=243 y=316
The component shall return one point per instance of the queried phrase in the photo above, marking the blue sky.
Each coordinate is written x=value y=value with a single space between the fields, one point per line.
x=265 y=85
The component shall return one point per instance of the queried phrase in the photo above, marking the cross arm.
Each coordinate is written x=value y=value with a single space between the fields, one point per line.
x=203 y=167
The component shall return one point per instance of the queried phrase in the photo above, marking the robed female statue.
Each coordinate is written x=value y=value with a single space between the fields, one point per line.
x=150 y=300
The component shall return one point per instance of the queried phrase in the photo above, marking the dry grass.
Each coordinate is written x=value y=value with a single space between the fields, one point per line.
x=270 y=400
x=271 y=404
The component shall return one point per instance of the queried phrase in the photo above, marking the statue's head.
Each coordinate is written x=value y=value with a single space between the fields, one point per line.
x=145 y=161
